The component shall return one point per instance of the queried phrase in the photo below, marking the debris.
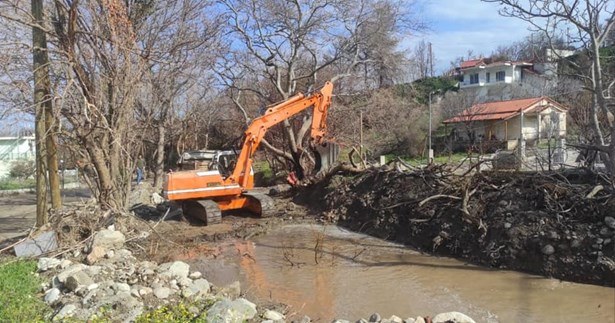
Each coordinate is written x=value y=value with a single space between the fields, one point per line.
x=43 y=243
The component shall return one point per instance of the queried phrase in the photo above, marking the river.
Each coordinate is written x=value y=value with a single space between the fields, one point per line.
x=326 y=272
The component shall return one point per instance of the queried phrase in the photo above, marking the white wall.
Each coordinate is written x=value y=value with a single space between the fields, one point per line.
x=482 y=75
x=13 y=149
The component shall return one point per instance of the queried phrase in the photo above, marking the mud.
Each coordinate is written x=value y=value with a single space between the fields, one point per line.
x=538 y=223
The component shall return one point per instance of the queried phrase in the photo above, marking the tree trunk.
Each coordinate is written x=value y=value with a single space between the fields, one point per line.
x=159 y=169
x=52 y=153
x=41 y=96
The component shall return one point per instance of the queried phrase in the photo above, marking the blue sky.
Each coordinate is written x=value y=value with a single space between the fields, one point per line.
x=461 y=25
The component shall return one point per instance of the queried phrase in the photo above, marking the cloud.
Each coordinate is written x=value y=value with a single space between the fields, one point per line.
x=458 y=26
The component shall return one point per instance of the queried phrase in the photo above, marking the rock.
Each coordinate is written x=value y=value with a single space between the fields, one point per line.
x=273 y=315
x=69 y=271
x=197 y=289
x=362 y=320
x=92 y=286
x=43 y=243
x=395 y=319
x=93 y=270
x=78 y=280
x=45 y=263
x=157 y=198
x=66 y=311
x=340 y=321
x=452 y=317
x=108 y=239
x=176 y=269
x=610 y=222
x=546 y=250
x=305 y=319
x=110 y=254
x=121 y=288
x=162 y=292
x=375 y=318
x=195 y=275
x=145 y=291
x=65 y=263
x=52 y=296
x=507 y=225
x=184 y=282
x=231 y=291
x=575 y=243
x=96 y=254
x=409 y=320
x=419 y=319
x=227 y=311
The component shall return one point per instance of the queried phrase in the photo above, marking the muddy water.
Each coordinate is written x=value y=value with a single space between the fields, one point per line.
x=327 y=272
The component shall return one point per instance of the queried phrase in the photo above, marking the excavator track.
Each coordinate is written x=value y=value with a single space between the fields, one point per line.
x=207 y=211
x=267 y=206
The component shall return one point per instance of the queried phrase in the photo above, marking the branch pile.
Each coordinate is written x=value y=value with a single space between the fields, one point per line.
x=554 y=224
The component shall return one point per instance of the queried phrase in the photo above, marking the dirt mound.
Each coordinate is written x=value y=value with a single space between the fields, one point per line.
x=558 y=225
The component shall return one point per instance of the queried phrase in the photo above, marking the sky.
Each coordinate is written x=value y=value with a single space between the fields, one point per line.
x=457 y=26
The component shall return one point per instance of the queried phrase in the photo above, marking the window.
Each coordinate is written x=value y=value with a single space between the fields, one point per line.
x=500 y=76
x=488 y=77
x=474 y=78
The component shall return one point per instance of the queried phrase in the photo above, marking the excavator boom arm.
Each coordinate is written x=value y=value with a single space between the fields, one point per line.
x=320 y=100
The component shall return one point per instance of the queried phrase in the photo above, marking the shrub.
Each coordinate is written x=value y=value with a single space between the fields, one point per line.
x=22 y=169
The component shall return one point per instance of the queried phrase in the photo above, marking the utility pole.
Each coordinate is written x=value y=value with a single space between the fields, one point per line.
x=430 y=152
x=430 y=61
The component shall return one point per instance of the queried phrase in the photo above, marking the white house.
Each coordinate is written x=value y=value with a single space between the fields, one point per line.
x=13 y=149
x=508 y=121
x=484 y=72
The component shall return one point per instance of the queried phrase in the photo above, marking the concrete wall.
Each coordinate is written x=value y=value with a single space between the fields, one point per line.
x=482 y=75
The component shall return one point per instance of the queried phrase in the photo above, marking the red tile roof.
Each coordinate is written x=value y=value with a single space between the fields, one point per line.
x=500 y=110
x=472 y=63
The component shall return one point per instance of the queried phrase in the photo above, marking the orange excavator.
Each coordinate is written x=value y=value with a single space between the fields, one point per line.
x=205 y=193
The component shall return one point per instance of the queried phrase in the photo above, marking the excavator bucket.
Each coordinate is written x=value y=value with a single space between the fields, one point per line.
x=326 y=156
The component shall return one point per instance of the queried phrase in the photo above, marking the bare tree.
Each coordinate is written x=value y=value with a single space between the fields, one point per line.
x=587 y=25
x=96 y=41
x=283 y=47
x=180 y=43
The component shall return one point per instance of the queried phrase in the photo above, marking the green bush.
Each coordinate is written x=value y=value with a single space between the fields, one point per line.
x=19 y=301
x=15 y=184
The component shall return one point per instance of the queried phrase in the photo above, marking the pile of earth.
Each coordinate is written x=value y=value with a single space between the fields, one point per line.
x=558 y=225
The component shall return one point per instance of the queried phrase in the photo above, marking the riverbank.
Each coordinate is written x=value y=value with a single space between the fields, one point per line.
x=556 y=225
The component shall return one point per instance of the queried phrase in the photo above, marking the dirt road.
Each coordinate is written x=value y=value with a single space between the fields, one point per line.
x=18 y=212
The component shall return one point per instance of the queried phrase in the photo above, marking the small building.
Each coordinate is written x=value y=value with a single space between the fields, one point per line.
x=485 y=72
x=15 y=149
x=508 y=121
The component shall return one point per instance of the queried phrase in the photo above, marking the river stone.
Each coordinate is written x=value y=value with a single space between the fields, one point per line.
x=273 y=315
x=375 y=318
x=78 y=280
x=395 y=319
x=305 y=319
x=66 y=311
x=231 y=291
x=69 y=271
x=176 y=269
x=45 y=263
x=162 y=292
x=419 y=319
x=96 y=254
x=108 y=239
x=65 y=263
x=362 y=320
x=547 y=250
x=195 y=275
x=52 y=296
x=452 y=317
x=121 y=287
x=610 y=222
x=227 y=311
x=409 y=320
x=340 y=321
